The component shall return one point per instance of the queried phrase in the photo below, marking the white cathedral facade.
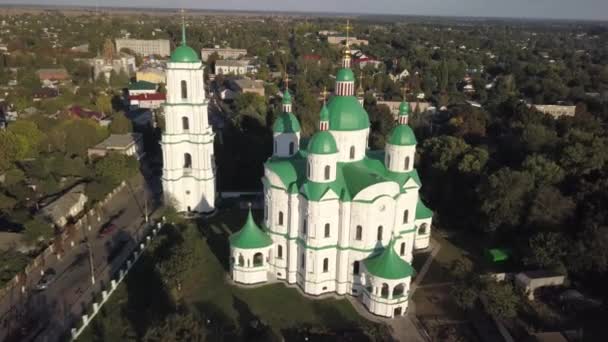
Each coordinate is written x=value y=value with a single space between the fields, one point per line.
x=338 y=217
x=187 y=143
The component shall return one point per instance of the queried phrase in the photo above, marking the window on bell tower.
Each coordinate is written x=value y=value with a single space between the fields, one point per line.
x=185 y=123
x=184 y=90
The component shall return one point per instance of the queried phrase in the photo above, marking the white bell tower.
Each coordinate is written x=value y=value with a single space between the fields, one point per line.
x=187 y=142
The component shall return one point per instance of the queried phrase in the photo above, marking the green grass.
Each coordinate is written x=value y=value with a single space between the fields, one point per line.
x=207 y=289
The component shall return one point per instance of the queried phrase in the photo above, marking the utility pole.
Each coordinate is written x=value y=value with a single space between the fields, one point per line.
x=146 y=215
x=90 y=252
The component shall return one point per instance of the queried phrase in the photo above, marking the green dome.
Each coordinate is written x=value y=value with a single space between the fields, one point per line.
x=322 y=143
x=286 y=97
x=250 y=236
x=184 y=54
x=404 y=108
x=388 y=264
x=402 y=135
x=324 y=115
x=347 y=114
x=345 y=75
x=286 y=123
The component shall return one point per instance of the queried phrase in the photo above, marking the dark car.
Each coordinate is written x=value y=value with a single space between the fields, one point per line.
x=46 y=280
x=107 y=230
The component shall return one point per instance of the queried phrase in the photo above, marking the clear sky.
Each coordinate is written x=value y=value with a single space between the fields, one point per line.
x=568 y=9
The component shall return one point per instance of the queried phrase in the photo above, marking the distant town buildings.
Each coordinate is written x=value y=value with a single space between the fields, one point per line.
x=56 y=74
x=160 y=47
x=223 y=53
x=142 y=87
x=130 y=144
x=147 y=101
x=248 y=86
x=416 y=107
x=556 y=111
x=151 y=74
x=66 y=206
x=336 y=40
x=112 y=61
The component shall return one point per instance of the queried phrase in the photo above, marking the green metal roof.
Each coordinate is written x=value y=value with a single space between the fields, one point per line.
x=347 y=114
x=322 y=142
x=286 y=97
x=402 y=135
x=184 y=54
x=286 y=123
x=345 y=75
x=324 y=115
x=142 y=85
x=388 y=264
x=422 y=212
x=404 y=108
x=498 y=254
x=250 y=236
x=351 y=177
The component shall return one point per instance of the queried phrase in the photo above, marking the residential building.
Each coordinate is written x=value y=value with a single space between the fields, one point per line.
x=228 y=66
x=147 y=101
x=66 y=206
x=142 y=87
x=122 y=62
x=338 y=218
x=336 y=40
x=556 y=111
x=145 y=47
x=188 y=164
x=223 y=53
x=130 y=144
x=416 y=107
x=247 y=85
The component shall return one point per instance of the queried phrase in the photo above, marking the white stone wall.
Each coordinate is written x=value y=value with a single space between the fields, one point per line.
x=316 y=165
x=385 y=305
x=282 y=142
x=396 y=157
x=423 y=233
x=345 y=140
x=248 y=272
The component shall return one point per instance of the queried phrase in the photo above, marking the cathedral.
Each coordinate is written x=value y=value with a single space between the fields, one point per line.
x=189 y=169
x=338 y=217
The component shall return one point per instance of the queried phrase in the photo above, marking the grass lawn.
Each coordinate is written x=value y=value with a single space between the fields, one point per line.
x=206 y=288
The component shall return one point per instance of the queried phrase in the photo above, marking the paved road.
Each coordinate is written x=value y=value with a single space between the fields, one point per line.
x=48 y=314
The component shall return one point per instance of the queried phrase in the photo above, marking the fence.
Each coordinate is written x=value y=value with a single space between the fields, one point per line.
x=67 y=239
x=122 y=273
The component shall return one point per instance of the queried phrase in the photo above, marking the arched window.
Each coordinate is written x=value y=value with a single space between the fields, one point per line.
x=303 y=261
x=327 y=230
x=231 y=260
x=398 y=291
x=280 y=252
x=379 y=237
x=280 y=218
x=308 y=169
x=356 y=268
x=275 y=147
x=405 y=216
x=384 y=291
x=258 y=259
x=407 y=163
x=291 y=146
x=327 y=169
x=359 y=233
x=184 y=90
x=185 y=123
x=388 y=160
x=352 y=152
x=326 y=265
x=422 y=229
x=187 y=161
x=241 y=260
x=402 y=249
x=305 y=227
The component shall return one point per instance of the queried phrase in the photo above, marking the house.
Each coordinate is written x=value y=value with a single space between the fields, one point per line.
x=400 y=76
x=79 y=112
x=363 y=61
x=416 y=107
x=147 y=100
x=56 y=74
x=45 y=93
x=246 y=85
x=145 y=47
x=224 y=53
x=532 y=280
x=142 y=87
x=68 y=205
x=337 y=40
x=130 y=144
x=151 y=75
x=556 y=111
x=228 y=66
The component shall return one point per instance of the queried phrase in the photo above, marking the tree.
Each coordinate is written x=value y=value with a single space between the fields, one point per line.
x=544 y=171
x=120 y=124
x=37 y=229
x=502 y=299
x=550 y=208
x=505 y=195
x=103 y=104
x=546 y=249
x=115 y=167
x=29 y=137
x=180 y=326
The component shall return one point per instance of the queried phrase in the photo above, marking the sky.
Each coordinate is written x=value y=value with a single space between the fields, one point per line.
x=561 y=9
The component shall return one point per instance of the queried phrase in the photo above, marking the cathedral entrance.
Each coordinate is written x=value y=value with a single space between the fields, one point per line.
x=397 y=312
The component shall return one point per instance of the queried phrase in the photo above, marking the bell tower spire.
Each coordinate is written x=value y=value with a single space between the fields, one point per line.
x=183 y=27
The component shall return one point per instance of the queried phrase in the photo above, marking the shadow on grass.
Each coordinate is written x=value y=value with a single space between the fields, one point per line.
x=219 y=326
x=252 y=327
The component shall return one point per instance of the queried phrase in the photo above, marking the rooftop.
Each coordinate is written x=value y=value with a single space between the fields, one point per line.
x=119 y=141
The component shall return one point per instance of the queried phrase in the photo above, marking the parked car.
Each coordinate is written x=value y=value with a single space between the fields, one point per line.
x=46 y=280
x=107 y=230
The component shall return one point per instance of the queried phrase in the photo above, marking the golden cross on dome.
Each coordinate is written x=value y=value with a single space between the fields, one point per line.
x=361 y=78
x=286 y=81
x=324 y=93
x=404 y=89
x=348 y=27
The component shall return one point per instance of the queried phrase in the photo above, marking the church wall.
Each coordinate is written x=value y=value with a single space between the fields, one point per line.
x=192 y=73
x=282 y=141
x=395 y=157
x=346 y=139
x=317 y=164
